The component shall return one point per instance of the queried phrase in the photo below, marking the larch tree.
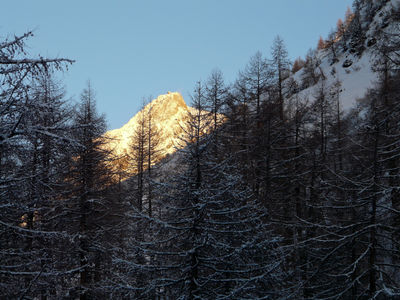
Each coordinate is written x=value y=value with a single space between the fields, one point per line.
x=145 y=151
x=281 y=64
x=25 y=195
x=321 y=43
x=216 y=93
x=153 y=154
x=91 y=210
x=139 y=157
x=310 y=74
x=298 y=64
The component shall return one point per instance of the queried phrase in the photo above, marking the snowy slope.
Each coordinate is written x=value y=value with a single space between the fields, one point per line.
x=357 y=78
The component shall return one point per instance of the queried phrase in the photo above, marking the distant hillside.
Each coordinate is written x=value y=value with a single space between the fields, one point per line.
x=348 y=55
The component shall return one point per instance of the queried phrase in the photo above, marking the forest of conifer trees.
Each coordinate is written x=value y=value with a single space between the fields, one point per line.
x=273 y=195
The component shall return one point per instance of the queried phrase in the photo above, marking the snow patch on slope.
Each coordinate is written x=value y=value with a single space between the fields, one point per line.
x=357 y=78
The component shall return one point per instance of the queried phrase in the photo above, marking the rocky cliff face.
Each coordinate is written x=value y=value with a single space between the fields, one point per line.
x=169 y=114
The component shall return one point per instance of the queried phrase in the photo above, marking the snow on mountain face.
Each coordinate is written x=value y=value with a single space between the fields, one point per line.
x=169 y=112
x=355 y=80
x=169 y=115
x=353 y=70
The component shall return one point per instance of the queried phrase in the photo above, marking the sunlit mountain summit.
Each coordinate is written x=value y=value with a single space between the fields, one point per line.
x=166 y=116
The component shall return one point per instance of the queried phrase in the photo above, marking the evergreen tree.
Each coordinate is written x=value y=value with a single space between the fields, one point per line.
x=321 y=43
x=281 y=65
x=33 y=129
x=91 y=209
x=298 y=65
x=310 y=75
x=216 y=94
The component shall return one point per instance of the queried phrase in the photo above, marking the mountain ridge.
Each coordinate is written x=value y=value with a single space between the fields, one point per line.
x=169 y=111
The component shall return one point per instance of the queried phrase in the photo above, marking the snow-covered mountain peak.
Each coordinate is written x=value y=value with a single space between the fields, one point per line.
x=168 y=113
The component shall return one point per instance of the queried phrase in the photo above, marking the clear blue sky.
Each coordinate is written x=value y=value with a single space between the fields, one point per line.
x=133 y=49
